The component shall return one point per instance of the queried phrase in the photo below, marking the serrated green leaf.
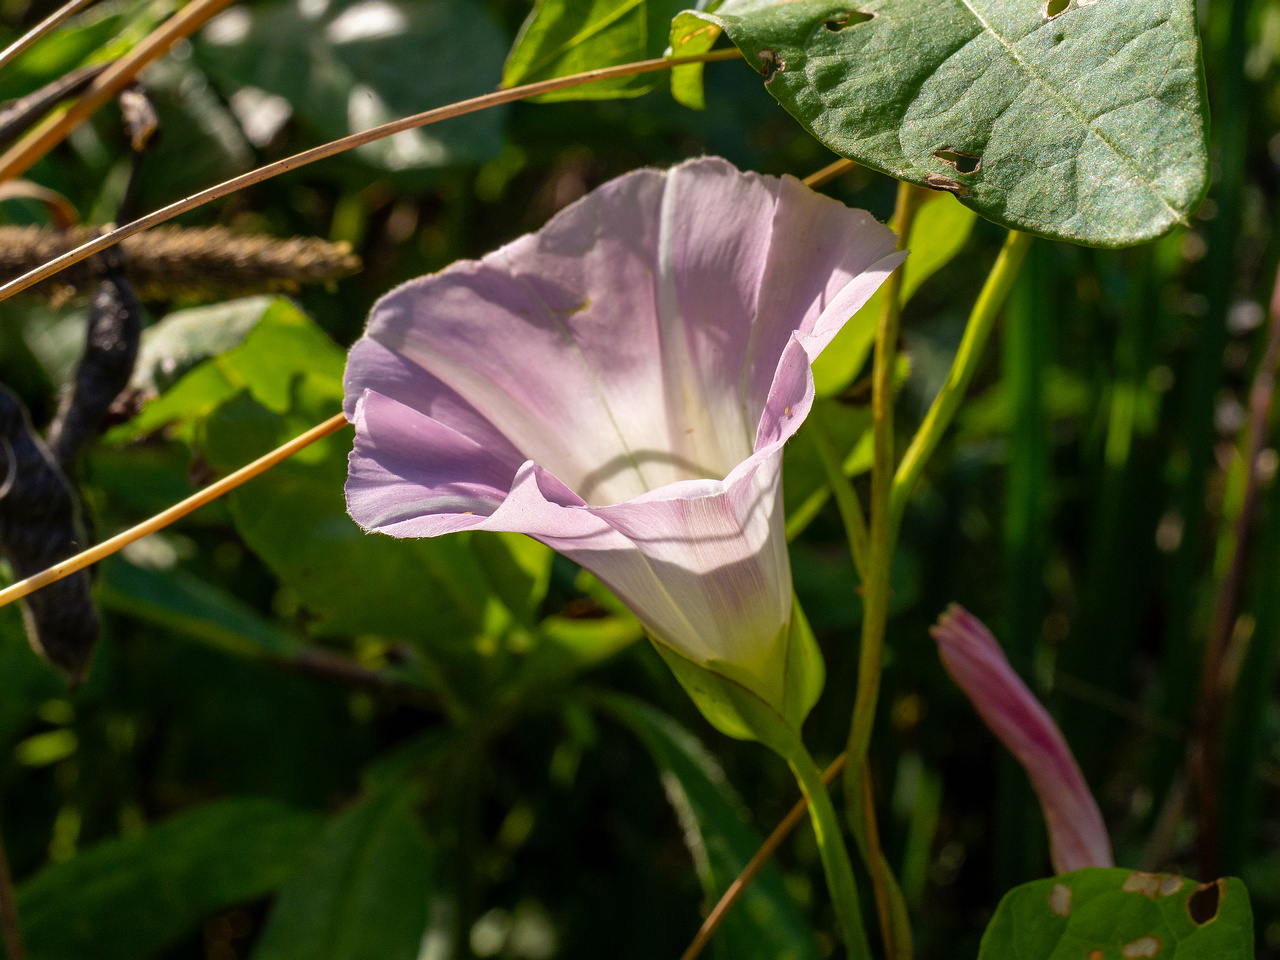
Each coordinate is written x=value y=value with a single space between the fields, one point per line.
x=133 y=897
x=765 y=924
x=364 y=892
x=561 y=37
x=1087 y=126
x=1115 y=914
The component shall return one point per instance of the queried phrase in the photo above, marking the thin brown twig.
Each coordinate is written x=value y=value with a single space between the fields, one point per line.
x=166 y=517
x=9 y=922
x=22 y=155
x=346 y=143
x=756 y=864
x=1215 y=688
x=50 y=23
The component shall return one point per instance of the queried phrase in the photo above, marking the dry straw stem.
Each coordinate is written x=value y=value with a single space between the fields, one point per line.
x=753 y=868
x=344 y=144
x=176 y=512
x=45 y=26
x=19 y=158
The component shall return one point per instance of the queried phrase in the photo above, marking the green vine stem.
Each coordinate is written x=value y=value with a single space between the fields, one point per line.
x=983 y=317
x=875 y=585
x=832 y=849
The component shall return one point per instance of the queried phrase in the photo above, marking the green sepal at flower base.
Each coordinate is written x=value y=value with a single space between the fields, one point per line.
x=732 y=700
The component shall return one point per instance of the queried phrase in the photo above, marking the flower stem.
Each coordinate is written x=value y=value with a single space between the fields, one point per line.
x=982 y=318
x=834 y=853
x=875 y=585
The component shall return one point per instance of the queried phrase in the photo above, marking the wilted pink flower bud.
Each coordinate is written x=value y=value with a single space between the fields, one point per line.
x=1077 y=835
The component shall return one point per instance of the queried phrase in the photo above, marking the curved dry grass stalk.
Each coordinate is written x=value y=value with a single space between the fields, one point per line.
x=19 y=158
x=50 y=23
x=161 y=520
x=339 y=146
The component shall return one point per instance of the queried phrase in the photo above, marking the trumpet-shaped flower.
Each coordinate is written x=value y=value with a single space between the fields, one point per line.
x=620 y=385
x=1077 y=835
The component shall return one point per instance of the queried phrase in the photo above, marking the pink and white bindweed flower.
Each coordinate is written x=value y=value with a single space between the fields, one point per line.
x=620 y=385
x=1077 y=834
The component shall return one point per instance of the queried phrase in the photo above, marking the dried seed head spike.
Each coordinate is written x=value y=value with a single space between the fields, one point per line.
x=39 y=526
x=169 y=262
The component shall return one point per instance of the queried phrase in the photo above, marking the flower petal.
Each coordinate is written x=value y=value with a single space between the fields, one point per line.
x=1077 y=834
x=409 y=475
x=552 y=340
x=819 y=248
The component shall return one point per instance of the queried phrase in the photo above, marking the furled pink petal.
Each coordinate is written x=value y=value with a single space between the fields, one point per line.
x=620 y=386
x=1077 y=835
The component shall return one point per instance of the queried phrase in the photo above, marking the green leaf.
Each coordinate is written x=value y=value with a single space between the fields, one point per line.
x=940 y=230
x=189 y=605
x=345 y=66
x=1110 y=913
x=279 y=348
x=1087 y=126
x=765 y=923
x=186 y=338
x=519 y=568
x=364 y=892
x=133 y=897
x=561 y=37
x=295 y=518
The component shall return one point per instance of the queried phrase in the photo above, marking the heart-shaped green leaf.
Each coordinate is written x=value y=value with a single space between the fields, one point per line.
x=1083 y=120
x=1114 y=914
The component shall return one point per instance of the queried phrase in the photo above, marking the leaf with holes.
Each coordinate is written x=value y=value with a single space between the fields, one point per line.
x=1115 y=914
x=1083 y=120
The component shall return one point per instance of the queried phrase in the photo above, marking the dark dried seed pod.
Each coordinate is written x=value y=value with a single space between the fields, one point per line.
x=110 y=351
x=168 y=262
x=39 y=526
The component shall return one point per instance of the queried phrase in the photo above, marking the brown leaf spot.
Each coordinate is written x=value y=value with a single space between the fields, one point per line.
x=1144 y=947
x=1204 y=902
x=1170 y=886
x=851 y=19
x=1060 y=899
x=964 y=163
x=770 y=62
x=1147 y=884
x=1095 y=955
x=938 y=182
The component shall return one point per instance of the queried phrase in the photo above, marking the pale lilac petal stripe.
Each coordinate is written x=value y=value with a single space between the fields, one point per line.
x=1077 y=834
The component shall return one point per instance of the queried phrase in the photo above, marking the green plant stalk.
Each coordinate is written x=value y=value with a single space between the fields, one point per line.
x=879 y=557
x=832 y=849
x=981 y=320
x=877 y=550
